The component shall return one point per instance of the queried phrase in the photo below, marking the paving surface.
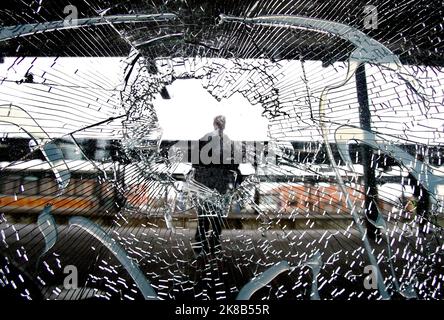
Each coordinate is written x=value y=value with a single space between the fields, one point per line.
x=169 y=263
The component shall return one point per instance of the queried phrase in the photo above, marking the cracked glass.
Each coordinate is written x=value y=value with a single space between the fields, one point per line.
x=323 y=177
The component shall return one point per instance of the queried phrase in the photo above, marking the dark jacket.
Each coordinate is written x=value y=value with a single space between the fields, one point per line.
x=217 y=168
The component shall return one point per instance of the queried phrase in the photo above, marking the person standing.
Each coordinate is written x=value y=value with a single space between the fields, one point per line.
x=216 y=170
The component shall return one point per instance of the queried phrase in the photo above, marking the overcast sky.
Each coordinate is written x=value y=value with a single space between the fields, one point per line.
x=190 y=112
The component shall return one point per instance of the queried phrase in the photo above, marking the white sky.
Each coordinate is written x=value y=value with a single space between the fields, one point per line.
x=189 y=114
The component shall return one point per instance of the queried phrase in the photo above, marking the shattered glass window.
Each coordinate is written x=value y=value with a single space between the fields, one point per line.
x=332 y=114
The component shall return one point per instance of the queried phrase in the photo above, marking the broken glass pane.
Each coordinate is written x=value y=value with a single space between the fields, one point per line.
x=322 y=179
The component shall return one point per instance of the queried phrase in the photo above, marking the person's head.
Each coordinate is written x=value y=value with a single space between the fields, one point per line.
x=219 y=123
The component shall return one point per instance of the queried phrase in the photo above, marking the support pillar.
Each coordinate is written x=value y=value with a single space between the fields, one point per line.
x=369 y=179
